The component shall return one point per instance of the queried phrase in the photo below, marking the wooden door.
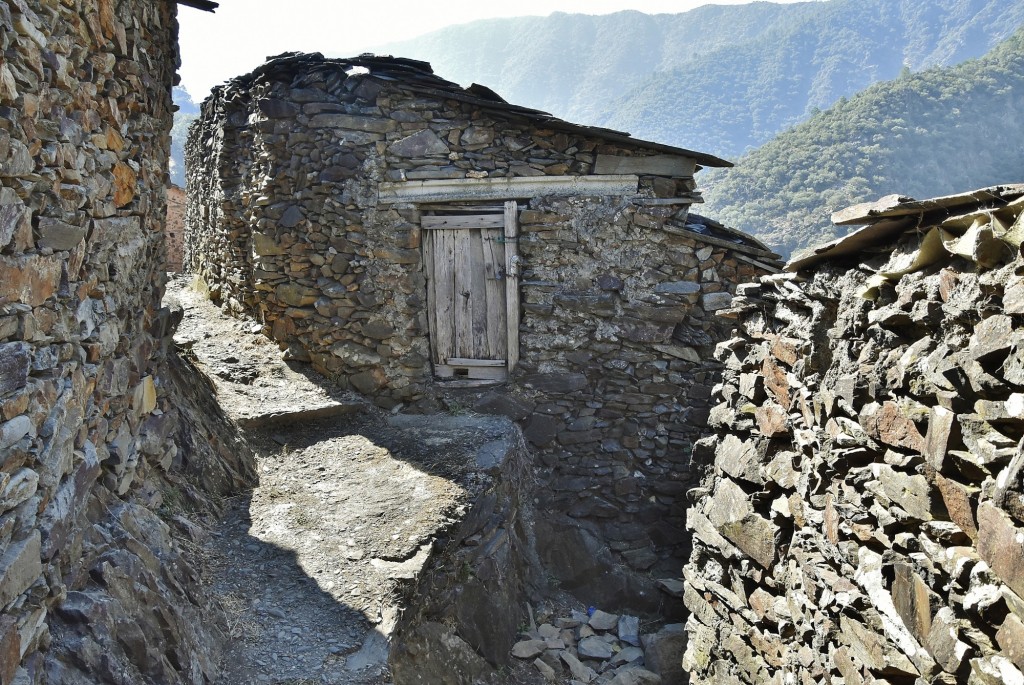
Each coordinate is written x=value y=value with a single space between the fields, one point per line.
x=472 y=293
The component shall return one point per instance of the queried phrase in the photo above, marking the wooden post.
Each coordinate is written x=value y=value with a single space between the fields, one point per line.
x=512 y=281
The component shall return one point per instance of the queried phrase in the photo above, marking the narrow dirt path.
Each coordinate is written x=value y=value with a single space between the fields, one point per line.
x=315 y=564
x=312 y=563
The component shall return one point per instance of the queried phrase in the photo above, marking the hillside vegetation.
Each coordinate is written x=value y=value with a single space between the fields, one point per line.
x=940 y=131
x=721 y=79
x=737 y=97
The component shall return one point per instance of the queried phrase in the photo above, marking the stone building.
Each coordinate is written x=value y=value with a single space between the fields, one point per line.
x=175 y=230
x=93 y=587
x=411 y=239
x=864 y=514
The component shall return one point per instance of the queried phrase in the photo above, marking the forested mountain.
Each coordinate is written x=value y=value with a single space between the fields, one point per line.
x=940 y=131
x=574 y=65
x=738 y=97
x=721 y=79
x=183 y=118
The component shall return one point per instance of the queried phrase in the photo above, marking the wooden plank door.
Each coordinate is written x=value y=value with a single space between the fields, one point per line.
x=466 y=264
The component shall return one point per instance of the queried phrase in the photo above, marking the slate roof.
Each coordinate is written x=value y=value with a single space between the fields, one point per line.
x=885 y=220
x=418 y=76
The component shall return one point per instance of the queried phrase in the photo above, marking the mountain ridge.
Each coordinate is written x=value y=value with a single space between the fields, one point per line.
x=936 y=132
x=718 y=78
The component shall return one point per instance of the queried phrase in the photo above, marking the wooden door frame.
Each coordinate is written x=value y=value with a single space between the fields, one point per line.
x=512 y=282
x=508 y=221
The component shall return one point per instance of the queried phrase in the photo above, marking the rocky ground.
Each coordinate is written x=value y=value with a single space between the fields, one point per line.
x=314 y=565
x=309 y=563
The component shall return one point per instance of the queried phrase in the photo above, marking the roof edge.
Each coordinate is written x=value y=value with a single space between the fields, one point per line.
x=419 y=76
x=204 y=5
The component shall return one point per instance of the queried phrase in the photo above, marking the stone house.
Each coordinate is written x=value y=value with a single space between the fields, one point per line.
x=412 y=238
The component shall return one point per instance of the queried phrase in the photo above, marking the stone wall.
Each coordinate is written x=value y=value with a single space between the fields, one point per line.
x=285 y=224
x=93 y=586
x=175 y=231
x=863 y=519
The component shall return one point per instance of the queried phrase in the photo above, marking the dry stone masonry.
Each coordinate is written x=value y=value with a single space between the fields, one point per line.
x=321 y=196
x=93 y=585
x=863 y=518
x=175 y=230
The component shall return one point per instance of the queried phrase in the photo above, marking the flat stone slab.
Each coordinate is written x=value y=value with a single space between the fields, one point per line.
x=601 y=620
x=594 y=647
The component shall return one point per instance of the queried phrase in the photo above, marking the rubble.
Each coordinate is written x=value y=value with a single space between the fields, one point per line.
x=861 y=516
x=603 y=649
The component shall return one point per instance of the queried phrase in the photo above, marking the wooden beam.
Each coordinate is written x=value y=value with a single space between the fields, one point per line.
x=668 y=201
x=205 y=5
x=770 y=268
x=474 y=208
x=466 y=221
x=653 y=165
x=503 y=188
x=512 y=282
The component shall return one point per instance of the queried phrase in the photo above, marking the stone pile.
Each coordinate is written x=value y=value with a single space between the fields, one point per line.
x=864 y=516
x=603 y=649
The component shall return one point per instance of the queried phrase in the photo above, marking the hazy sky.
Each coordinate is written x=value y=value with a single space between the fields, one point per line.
x=237 y=38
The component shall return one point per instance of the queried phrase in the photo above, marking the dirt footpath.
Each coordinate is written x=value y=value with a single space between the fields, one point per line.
x=309 y=565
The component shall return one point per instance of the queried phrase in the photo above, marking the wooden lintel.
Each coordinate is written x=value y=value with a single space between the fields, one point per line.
x=463 y=221
x=653 y=165
x=503 y=188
